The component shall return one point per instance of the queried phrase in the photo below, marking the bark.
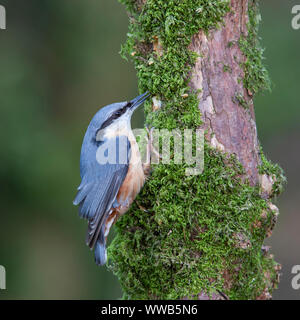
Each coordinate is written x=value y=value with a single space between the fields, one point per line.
x=231 y=128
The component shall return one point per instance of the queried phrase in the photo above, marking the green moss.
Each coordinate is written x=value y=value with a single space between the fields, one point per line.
x=230 y=44
x=186 y=238
x=227 y=68
x=239 y=98
x=171 y=24
x=256 y=76
x=186 y=234
x=275 y=172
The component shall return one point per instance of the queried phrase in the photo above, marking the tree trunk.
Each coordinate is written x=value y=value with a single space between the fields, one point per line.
x=231 y=128
x=201 y=236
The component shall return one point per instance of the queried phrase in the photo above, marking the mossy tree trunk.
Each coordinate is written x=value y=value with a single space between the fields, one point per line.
x=219 y=74
x=200 y=237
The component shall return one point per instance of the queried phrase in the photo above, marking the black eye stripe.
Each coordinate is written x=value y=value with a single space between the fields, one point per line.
x=123 y=110
x=115 y=116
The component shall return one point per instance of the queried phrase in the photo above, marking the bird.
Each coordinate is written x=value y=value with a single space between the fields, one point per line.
x=108 y=188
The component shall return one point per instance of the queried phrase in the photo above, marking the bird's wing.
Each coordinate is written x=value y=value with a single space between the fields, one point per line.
x=100 y=186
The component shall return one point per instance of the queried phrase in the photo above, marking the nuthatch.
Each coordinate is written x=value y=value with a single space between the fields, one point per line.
x=107 y=190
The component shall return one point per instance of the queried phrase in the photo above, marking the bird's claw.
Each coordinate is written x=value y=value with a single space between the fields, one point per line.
x=150 y=143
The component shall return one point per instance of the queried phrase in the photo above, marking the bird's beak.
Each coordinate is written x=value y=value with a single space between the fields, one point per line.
x=135 y=103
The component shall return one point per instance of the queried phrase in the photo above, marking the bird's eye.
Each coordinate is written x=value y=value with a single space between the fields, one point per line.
x=120 y=112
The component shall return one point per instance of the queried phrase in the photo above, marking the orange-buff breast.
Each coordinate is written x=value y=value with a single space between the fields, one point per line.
x=130 y=188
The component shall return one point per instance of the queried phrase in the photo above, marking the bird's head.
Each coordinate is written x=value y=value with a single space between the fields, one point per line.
x=116 y=114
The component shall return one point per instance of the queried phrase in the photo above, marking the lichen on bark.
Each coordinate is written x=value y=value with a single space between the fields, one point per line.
x=198 y=236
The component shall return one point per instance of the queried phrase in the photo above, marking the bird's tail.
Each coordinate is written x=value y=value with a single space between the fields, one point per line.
x=100 y=252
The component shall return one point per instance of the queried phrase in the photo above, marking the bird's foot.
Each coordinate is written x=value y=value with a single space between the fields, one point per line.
x=150 y=147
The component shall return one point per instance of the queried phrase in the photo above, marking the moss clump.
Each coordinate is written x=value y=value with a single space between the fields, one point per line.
x=227 y=68
x=239 y=98
x=256 y=75
x=188 y=238
x=186 y=235
x=275 y=172
x=158 y=39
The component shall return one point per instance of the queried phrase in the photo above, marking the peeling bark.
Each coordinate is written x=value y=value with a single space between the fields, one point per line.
x=231 y=128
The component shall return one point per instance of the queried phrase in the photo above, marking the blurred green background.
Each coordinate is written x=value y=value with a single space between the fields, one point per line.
x=59 y=63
